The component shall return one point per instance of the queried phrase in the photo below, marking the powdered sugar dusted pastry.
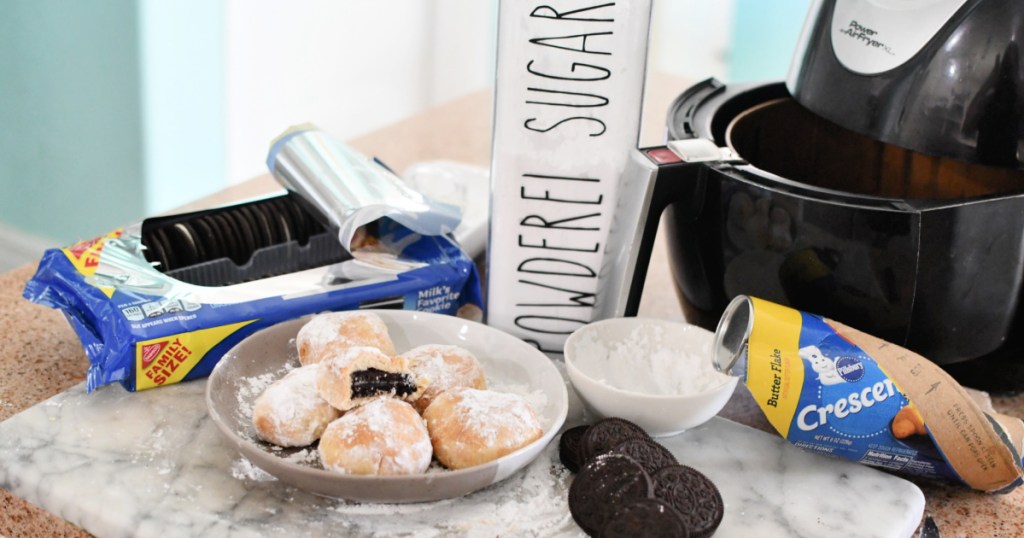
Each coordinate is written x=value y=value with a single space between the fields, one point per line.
x=444 y=367
x=291 y=412
x=383 y=437
x=332 y=332
x=357 y=374
x=469 y=427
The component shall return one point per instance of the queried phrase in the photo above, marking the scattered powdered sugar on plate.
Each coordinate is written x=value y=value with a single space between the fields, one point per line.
x=648 y=361
x=532 y=502
x=249 y=389
x=306 y=456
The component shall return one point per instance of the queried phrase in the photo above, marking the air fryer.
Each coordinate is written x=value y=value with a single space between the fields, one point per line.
x=852 y=194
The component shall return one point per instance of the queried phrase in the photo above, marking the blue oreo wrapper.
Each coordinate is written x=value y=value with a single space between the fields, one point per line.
x=143 y=328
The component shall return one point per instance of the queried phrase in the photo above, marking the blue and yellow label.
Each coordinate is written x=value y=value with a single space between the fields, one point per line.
x=825 y=394
x=163 y=361
x=774 y=373
x=85 y=256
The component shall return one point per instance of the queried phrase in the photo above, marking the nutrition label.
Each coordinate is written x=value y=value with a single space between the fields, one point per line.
x=156 y=309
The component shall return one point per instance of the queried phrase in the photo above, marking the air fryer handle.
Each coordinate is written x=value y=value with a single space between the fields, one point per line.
x=679 y=183
x=653 y=179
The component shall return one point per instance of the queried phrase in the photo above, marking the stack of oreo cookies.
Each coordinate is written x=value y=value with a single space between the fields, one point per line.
x=630 y=485
x=232 y=236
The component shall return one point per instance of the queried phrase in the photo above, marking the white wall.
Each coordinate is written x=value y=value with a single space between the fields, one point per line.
x=350 y=67
x=691 y=39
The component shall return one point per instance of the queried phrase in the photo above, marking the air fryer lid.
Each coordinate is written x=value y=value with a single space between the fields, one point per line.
x=941 y=77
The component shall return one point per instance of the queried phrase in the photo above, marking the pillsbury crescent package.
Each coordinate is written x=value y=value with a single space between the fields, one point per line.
x=159 y=302
x=833 y=390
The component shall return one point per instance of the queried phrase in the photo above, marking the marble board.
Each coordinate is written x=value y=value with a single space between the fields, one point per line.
x=152 y=464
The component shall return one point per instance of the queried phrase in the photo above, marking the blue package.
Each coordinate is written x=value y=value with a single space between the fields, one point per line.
x=144 y=328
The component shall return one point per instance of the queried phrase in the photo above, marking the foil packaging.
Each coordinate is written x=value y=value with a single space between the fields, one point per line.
x=350 y=189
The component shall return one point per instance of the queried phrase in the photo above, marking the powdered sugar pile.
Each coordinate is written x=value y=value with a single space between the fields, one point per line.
x=648 y=361
x=291 y=412
x=497 y=417
x=363 y=437
x=338 y=330
x=295 y=393
x=444 y=366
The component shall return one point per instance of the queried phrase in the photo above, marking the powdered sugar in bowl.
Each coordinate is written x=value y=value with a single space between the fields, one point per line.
x=655 y=373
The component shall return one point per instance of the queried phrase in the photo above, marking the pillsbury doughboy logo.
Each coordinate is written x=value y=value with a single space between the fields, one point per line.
x=851 y=369
x=846 y=396
x=824 y=366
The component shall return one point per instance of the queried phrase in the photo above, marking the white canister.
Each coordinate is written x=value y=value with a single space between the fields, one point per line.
x=567 y=109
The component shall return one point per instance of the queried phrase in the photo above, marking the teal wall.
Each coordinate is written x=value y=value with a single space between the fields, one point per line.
x=110 y=110
x=183 y=101
x=70 y=123
x=764 y=38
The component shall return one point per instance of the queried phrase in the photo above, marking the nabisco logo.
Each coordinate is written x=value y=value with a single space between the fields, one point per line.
x=81 y=247
x=151 y=351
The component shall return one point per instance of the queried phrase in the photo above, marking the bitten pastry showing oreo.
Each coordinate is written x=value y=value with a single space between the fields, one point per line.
x=360 y=373
x=384 y=437
x=469 y=427
x=378 y=413
x=290 y=412
x=615 y=460
x=443 y=367
x=330 y=333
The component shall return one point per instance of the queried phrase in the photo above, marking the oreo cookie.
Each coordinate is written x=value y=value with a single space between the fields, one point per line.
x=602 y=486
x=245 y=235
x=264 y=214
x=645 y=517
x=155 y=252
x=298 y=229
x=605 y=434
x=568 y=447
x=693 y=496
x=259 y=231
x=171 y=257
x=210 y=240
x=650 y=454
x=280 y=215
x=231 y=242
x=310 y=225
x=184 y=244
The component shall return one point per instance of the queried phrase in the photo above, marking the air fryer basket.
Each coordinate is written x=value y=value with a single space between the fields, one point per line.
x=784 y=138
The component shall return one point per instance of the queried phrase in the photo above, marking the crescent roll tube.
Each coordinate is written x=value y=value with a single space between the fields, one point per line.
x=834 y=390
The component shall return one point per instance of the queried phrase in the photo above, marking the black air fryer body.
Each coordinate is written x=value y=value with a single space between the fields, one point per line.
x=941 y=277
x=881 y=188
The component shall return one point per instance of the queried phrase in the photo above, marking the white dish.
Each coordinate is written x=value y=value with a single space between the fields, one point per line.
x=511 y=365
x=659 y=414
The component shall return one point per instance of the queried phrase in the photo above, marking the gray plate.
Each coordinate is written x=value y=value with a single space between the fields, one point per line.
x=510 y=364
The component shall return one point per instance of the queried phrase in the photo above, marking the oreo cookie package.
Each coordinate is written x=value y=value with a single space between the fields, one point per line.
x=160 y=301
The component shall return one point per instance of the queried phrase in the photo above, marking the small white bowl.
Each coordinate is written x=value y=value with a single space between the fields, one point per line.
x=630 y=389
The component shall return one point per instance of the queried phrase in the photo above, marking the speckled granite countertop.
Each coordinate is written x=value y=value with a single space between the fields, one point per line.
x=40 y=355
